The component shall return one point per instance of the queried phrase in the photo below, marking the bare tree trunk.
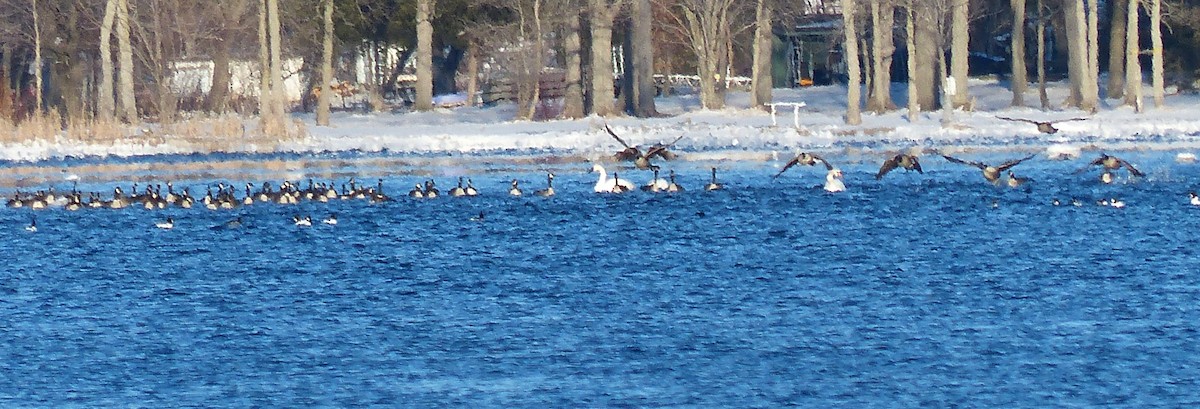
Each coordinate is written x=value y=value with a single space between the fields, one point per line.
x=1041 y=56
x=1019 y=80
x=424 y=101
x=602 y=14
x=1133 y=66
x=573 y=95
x=326 y=67
x=761 y=69
x=910 y=42
x=37 y=59
x=126 y=102
x=218 y=95
x=105 y=103
x=960 y=53
x=927 y=40
x=264 y=66
x=853 y=90
x=643 y=59
x=883 y=47
x=1091 y=87
x=472 y=72
x=707 y=26
x=1156 y=53
x=1076 y=31
x=868 y=72
x=1116 y=49
x=276 y=33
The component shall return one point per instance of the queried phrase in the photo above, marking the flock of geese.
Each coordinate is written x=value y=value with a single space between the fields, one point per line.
x=225 y=197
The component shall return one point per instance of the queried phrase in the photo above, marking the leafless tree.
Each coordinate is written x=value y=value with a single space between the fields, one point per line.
x=1116 y=49
x=707 y=25
x=761 y=69
x=1019 y=81
x=326 y=66
x=853 y=87
x=1133 y=67
x=601 y=16
x=424 y=91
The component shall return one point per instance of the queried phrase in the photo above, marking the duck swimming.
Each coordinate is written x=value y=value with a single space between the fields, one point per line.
x=903 y=160
x=331 y=220
x=991 y=173
x=1194 y=199
x=606 y=185
x=166 y=225
x=306 y=221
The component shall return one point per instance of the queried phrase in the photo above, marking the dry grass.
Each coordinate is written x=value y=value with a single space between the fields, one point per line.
x=45 y=127
x=201 y=133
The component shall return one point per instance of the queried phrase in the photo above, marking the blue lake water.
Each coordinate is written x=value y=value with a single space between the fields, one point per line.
x=913 y=291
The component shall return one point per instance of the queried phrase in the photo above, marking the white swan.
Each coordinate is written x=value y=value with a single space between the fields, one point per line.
x=833 y=181
x=614 y=185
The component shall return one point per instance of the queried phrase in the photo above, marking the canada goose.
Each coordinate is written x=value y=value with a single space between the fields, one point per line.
x=16 y=201
x=672 y=186
x=1046 y=127
x=549 y=190
x=416 y=192
x=166 y=225
x=32 y=227
x=1016 y=181
x=803 y=158
x=606 y=185
x=991 y=173
x=1112 y=163
x=903 y=160
x=635 y=155
x=331 y=220
x=656 y=184
x=514 y=190
x=470 y=190
x=478 y=218
x=431 y=190
x=249 y=199
x=712 y=184
x=458 y=191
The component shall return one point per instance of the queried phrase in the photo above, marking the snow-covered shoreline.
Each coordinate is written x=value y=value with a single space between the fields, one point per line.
x=709 y=133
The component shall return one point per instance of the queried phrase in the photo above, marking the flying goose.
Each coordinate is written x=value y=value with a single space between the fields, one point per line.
x=903 y=160
x=991 y=173
x=635 y=155
x=1046 y=127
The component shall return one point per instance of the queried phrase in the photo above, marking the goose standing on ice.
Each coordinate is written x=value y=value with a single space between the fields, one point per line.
x=712 y=184
x=549 y=190
x=991 y=173
x=606 y=185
